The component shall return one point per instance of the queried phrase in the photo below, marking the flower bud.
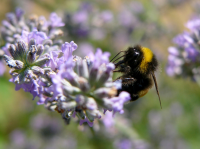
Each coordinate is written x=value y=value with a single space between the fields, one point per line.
x=31 y=55
x=42 y=61
x=40 y=49
x=21 y=49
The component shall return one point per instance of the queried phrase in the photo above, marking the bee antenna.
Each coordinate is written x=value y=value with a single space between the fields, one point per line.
x=154 y=79
x=116 y=55
x=119 y=58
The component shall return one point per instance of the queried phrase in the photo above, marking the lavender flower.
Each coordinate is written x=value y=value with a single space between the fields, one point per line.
x=47 y=126
x=14 y=25
x=71 y=85
x=184 y=59
x=68 y=84
x=28 y=62
x=83 y=86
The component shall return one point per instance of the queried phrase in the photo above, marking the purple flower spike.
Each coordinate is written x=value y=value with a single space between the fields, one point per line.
x=192 y=53
x=28 y=63
x=81 y=88
x=184 y=59
x=46 y=67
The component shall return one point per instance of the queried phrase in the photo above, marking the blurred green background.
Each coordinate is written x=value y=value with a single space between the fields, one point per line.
x=24 y=124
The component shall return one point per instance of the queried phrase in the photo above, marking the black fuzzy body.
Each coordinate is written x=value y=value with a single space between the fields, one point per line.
x=134 y=80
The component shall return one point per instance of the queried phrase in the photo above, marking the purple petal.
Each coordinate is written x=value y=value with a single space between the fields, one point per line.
x=119 y=101
x=38 y=36
x=108 y=119
x=80 y=17
x=193 y=24
x=68 y=48
x=55 y=21
x=173 y=51
x=86 y=120
x=19 y=13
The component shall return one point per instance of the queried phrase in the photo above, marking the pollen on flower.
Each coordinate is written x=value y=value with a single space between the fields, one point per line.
x=112 y=92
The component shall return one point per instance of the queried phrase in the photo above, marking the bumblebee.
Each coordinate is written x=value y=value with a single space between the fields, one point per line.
x=137 y=66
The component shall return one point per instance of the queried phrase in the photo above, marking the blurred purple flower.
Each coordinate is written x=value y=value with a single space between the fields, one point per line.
x=55 y=20
x=183 y=40
x=19 y=13
x=183 y=60
x=18 y=138
x=15 y=23
x=106 y=16
x=85 y=48
x=2 y=68
x=193 y=24
x=175 y=62
x=137 y=7
x=108 y=119
x=124 y=144
x=48 y=127
x=80 y=17
x=192 y=53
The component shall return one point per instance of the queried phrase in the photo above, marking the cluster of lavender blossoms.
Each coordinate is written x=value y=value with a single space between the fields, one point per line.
x=184 y=59
x=15 y=24
x=63 y=82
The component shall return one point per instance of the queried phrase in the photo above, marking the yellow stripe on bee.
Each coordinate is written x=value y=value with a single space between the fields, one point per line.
x=147 y=57
x=143 y=92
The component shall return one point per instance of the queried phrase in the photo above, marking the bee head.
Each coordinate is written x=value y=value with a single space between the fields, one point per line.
x=133 y=56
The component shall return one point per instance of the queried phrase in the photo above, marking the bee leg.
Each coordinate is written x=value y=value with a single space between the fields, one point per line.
x=119 y=63
x=123 y=68
x=126 y=82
